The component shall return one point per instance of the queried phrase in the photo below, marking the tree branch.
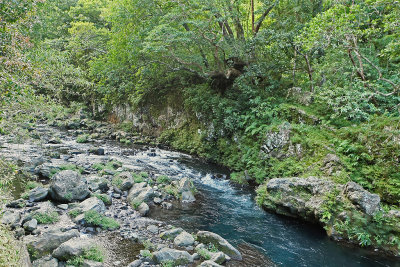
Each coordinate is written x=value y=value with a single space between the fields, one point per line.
x=264 y=15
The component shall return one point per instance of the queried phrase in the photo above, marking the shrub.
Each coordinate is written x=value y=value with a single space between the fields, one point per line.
x=74 y=213
x=163 y=179
x=94 y=254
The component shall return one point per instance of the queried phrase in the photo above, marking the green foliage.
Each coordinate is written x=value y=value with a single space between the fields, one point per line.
x=204 y=253
x=148 y=245
x=163 y=179
x=136 y=203
x=146 y=254
x=105 y=198
x=83 y=138
x=46 y=217
x=9 y=248
x=96 y=219
x=74 y=213
x=168 y=263
x=94 y=254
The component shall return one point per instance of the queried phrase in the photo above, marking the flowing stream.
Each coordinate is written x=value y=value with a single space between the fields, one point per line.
x=264 y=239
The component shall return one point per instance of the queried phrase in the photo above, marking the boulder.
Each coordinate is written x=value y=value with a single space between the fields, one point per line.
x=74 y=247
x=171 y=234
x=124 y=181
x=178 y=257
x=31 y=225
x=135 y=263
x=11 y=218
x=361 y=198
x=68 y=186
x=218 y=257
x=92 y=203
x=140 y=192
x=96 y=183
x=184 y=239
x=47 y=261
x=185 y=184
x=38 y=194
x=143 y=209
x=48 y=240
x=220 y=243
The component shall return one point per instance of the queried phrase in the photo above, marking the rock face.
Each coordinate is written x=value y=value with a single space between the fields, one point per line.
x=140 y=192
x=38 y=194
x=143 y=209
x=184 y=239
x=367 y=202
x=178 y=257
x=298 y=197
x=48 y=240
x=68 y=186
x=72 y=248
x=31 y=225
x=220 y=243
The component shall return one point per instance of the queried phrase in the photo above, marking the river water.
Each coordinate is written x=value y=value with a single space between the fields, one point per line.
x=229 y=210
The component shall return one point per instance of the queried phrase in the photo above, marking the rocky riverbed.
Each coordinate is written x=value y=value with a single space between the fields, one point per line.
x=79 y=202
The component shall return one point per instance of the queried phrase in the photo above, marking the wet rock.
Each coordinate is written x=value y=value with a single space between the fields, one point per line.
x=184 y=239
x=47 y=261
x=38 y=194
x=185 y=184
x=143 y=209
x=72 y=248
x=220 y=243
x=68 y=186
x=48 y=240
x=188 y=197
x=178 y=257
x=140 y=192
x=19 y=232
x=92 y=203
x=11 y=218
x=367 y=202
x=166 y=205
x=171 y=234
x=31 y=225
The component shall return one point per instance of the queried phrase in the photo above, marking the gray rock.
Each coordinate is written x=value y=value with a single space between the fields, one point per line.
x=38 y=194
x=31 y=225
x=157 y=200
x=72 y=248
x=90 y=263
x=47 y=261
x=143 y=209
x=209 y=263
x=166 y=205
x=97 y=183
x=220 y=243
x=135 y=263
x=171 y=234
x=178 y=257
x=92 y=203
x=126 y=181
x=184 y=239
x=188 y=197
x=218 y=257
x=152 y=229
x=367 y=202
x=63 y=206
x=68 y=186
x=11 y=218
x=140 y=192
x=48 y=240
x=185 y=184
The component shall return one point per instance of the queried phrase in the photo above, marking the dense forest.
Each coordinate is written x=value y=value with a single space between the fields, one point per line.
x=270 y=89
